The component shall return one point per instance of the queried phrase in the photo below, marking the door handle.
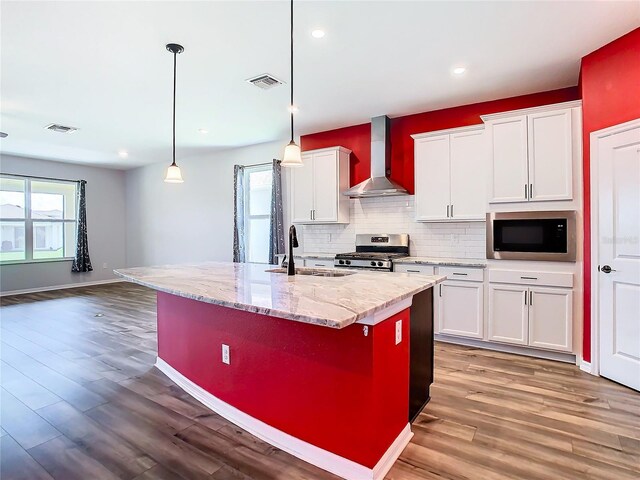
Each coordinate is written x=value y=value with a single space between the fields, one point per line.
x=440 y=289
x=606 y=269
x=530 y=191
x=525 y=192
x=452 y=210
x=448 y=210
x=530 y=297
x=525 y=297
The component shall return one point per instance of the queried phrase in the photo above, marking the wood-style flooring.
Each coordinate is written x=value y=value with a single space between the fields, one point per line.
x=82 y=400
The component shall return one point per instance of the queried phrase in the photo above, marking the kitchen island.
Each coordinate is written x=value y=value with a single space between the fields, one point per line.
x=317 y=365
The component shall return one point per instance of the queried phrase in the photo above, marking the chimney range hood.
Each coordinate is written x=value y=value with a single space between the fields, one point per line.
x=379 y=185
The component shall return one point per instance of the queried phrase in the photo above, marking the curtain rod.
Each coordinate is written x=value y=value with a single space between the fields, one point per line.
x=262 y=164
x=40 y=178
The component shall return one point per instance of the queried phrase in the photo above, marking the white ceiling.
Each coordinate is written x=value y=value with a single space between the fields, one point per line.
x=103 y=67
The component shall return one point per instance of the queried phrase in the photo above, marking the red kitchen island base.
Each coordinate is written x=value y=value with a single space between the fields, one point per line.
x=336 y=398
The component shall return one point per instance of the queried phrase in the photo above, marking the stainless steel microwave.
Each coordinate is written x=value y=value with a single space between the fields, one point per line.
x=544 y=236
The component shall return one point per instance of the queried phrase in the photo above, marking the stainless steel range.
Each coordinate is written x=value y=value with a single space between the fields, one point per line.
x=375 y=251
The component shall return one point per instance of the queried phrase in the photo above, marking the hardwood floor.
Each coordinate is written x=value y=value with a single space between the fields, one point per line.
x=82 y=400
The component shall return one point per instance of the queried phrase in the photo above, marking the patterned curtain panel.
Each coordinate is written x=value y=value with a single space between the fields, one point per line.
x=238 y=214
x=82 y=262
x=276 y=235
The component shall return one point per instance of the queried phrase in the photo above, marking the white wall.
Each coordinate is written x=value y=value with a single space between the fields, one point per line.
x=192 y=221
x=105 y=224
x=396 y=215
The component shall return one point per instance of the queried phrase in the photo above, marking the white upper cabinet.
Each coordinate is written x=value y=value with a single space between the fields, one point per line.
x=531 y=154
x=508 y=160
x=468 y=173
x=316 y=187
x=449 y=175
x=550 y=150
x=432 y=192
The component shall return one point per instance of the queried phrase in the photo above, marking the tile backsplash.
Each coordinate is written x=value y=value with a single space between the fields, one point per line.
x=396 y=215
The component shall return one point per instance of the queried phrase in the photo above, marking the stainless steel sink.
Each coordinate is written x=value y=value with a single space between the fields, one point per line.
x=316 y=272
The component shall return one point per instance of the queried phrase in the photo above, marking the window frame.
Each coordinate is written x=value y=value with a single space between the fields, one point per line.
x=29 y=222
x=247 y=206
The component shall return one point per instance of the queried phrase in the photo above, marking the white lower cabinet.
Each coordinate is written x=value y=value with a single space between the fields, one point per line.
x=534 y=316
x=550 y=313
x=508 y=314
x=460 y=308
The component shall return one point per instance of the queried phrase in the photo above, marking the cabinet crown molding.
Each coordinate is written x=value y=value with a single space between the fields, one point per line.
x=435 y=133
x=527 y=111
x=328 y=149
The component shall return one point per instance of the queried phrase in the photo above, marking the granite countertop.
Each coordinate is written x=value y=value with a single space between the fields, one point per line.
x=334 y=302
x=453 y=262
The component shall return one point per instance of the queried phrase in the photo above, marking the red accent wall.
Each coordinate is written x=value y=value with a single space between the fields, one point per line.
x=610 y=90
x=358 y=138
x=337 y=389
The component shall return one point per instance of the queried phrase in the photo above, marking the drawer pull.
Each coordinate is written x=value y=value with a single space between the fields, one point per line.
x=413 y=271
x=464 y=274
x=529 y=278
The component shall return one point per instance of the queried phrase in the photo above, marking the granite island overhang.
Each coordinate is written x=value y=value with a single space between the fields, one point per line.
x=317 y=366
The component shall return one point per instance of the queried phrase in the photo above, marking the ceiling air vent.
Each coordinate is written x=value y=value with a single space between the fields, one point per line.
x=265 y=81
x=54 y=127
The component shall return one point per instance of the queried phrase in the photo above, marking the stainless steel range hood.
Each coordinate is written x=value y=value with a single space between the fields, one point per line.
x=378 y=185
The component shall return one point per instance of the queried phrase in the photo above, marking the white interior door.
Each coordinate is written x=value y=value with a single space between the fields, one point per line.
x=619 y=251
x=325 y=187
x=468 y=172
x=432 y=178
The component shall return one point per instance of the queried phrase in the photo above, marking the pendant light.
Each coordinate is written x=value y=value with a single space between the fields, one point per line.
x=292 y=156
x=173 y=172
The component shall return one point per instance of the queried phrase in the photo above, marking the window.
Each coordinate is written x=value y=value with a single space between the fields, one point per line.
x=258 y=182
x=37 y=219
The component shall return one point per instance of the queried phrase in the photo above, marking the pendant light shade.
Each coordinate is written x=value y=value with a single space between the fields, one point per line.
x=173 y=172
x=292 y=155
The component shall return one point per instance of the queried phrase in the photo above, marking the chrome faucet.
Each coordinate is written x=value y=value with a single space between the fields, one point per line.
x=293 y=243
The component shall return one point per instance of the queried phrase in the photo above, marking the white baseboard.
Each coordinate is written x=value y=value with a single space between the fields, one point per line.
x=586 y=367
x=317 y=456
x=60 y=287
x=499 y=347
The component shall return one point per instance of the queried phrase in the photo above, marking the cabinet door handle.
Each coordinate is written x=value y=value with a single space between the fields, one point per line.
x=526 y=192
x=452 y=210
x=448 y=211
x=525 y=297
x=530 y=191
x=440 y=289
x=530 y=297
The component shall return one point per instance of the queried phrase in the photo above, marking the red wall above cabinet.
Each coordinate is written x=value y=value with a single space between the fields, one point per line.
x=358 y=138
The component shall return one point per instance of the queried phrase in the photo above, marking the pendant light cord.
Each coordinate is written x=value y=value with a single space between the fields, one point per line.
x=291 y=105
x=175 y=56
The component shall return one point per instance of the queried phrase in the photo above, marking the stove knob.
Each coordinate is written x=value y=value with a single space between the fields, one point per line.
x=373 y=264
x=341 y=262
x=348 y=262
x=379 y=264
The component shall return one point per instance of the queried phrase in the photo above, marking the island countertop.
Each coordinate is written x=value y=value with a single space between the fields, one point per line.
x=335 y=302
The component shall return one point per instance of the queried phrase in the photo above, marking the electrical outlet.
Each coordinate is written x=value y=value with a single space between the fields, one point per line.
x=225 y=354
x=398 y=331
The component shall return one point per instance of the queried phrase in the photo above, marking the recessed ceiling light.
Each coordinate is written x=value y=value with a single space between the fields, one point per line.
x=292 y=109
x=459 y=71
x=203 y=131
x=123 y=153
x=317 y=33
